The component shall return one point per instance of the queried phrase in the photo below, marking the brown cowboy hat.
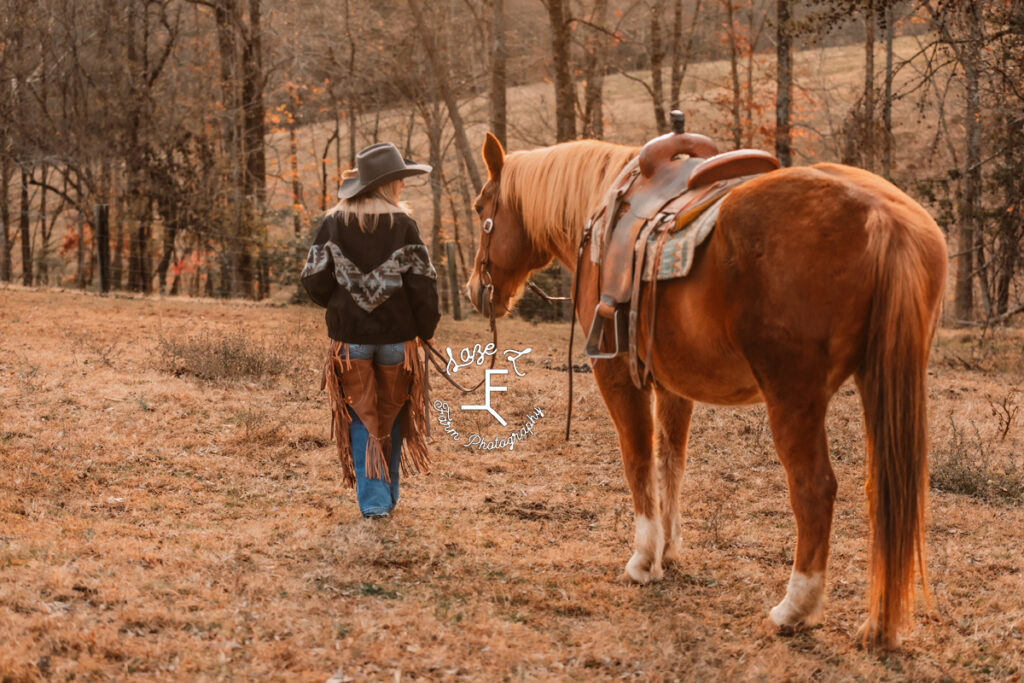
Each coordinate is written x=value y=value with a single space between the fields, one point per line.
x=378 y=164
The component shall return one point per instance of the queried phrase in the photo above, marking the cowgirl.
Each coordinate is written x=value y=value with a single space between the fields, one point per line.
x=370 y=269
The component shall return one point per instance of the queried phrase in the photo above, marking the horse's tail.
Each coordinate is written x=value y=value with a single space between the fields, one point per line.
x=908 y=254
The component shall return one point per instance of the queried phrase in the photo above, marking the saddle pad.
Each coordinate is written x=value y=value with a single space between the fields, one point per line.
x=676 y=257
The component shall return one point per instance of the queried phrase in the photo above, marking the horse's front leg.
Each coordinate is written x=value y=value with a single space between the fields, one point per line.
x=673 y=431
x=630 y=409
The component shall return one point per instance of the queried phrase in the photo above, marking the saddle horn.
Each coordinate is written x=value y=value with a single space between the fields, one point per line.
x=663 y=149
x=678 y=122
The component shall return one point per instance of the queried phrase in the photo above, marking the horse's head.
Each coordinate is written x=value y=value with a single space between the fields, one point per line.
x=506 y=255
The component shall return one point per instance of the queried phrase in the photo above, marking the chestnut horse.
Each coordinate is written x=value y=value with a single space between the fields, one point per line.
x=811 y=275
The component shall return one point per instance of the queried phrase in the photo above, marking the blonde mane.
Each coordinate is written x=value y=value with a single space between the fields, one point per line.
x=554 y=190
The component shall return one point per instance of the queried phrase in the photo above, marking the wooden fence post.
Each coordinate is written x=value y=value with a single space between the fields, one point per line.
x=453 y=281
x=101 y=215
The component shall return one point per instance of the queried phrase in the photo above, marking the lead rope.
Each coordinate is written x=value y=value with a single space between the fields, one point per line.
x=536 y=289
x=572 y=320
x=442 y=370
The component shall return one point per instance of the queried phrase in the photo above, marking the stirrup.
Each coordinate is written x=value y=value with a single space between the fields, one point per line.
x=596 y=335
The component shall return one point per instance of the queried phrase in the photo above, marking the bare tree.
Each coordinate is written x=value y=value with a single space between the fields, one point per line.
x=559 y=18
x=441 y=76
x=657 y=59
x=784 y=83
x=499 y=59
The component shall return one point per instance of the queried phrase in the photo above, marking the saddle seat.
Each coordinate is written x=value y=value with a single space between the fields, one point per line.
x=671 y=182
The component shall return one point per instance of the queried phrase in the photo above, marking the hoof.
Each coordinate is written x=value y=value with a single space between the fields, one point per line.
x=783 y=616
x=640 y=569
x=770 y=628
x=672 y=552
x=869 y=637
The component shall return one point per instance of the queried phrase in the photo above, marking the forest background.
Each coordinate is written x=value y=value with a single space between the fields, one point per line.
x=190 y=146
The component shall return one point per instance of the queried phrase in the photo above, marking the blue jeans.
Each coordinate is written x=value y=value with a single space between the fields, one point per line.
x=376 y=496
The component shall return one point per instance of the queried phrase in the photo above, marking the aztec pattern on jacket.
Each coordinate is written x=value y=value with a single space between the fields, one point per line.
x=378 y=285
x=370 y=290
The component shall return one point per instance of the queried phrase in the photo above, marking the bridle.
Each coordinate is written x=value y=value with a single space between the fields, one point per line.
x=486 y=281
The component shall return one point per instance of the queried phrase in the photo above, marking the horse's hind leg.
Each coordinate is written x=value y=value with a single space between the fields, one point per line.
x=630 y=409
x=673 y=430
x=798 y=429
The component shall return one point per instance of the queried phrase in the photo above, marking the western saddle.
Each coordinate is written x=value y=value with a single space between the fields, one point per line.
x=673 y=180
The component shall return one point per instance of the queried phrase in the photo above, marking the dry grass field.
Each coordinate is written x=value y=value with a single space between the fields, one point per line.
x=171 y=509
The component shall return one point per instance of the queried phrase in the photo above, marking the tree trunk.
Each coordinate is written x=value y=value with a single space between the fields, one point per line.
x=26 y=232
x=784 y=85
x=133 y=261
x=434 y=133
x=869 y=87
x=254 y=126
x=443 y=80
x=251 y=236
x=675 y=79
x=734 y=56
x=470 y=216
x=565 y=90
x=229 y=20
x=337 y=158
x=499 y=58
x=224 y=14
x=467 y=204
x=595 y=62
x=324 y=177
x=101 y=223
x=5 y=221
x=80 y=272
x=748 y=99
x=170 y=231
x=227 y=271
x=887 y=97
x=117 y=269
x=293 y=157
x=42 y=254
x=681 y=55
x=139 y=276
x=1011 y=218
x=963 y=291
x=351 y=98
x=657 y=53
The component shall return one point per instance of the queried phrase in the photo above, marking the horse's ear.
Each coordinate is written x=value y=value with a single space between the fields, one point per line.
x=494 y=155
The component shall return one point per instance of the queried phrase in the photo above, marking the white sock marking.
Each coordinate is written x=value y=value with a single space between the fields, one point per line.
x=804 y=602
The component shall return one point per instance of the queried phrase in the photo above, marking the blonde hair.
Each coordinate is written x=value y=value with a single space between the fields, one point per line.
x=371 y=208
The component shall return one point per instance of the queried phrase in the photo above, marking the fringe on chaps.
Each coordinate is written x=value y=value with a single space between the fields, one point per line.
x=339 y=370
